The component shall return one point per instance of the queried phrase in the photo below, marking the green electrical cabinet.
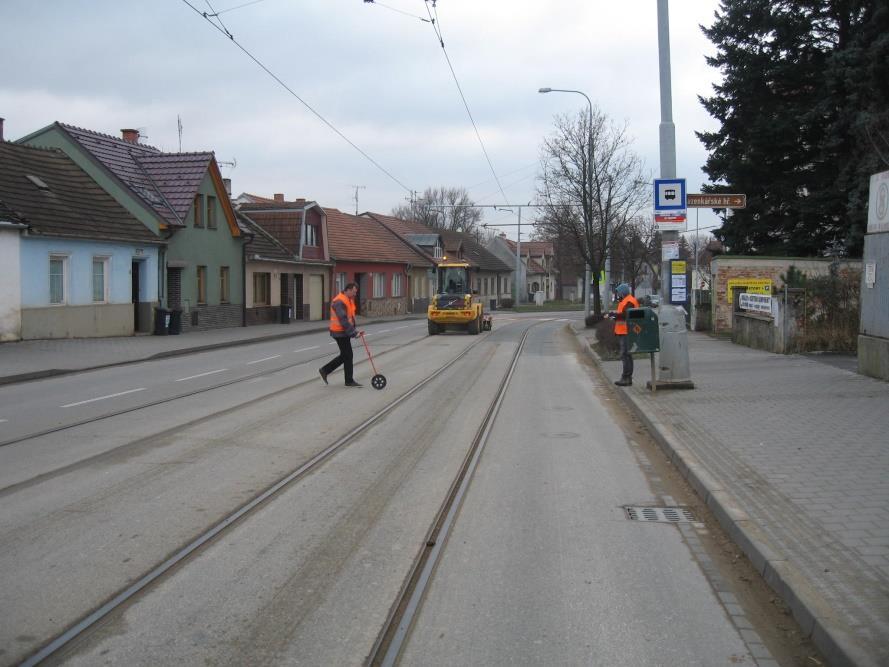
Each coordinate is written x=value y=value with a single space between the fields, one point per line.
x=642 y=330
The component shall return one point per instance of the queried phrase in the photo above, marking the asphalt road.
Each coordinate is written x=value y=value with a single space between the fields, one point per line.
x=543 y=568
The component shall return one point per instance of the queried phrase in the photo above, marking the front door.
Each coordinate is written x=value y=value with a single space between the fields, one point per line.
x=316 y=297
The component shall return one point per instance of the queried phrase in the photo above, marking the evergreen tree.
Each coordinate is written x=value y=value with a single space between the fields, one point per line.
x=801 y=81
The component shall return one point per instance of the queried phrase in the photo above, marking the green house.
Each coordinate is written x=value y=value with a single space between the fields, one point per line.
x=182 y=198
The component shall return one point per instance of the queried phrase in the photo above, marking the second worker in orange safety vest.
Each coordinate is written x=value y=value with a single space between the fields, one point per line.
x=342 y=330
x=625 y=302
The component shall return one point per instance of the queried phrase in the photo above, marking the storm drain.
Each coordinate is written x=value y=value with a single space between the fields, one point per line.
x=660 y=514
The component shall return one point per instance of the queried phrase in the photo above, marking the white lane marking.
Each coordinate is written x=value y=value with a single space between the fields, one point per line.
x=306 y=349
x=3 y=420
x=102 y=398
x=404 y=327
x=258 y=361
x=200 y=375
x=384 y=331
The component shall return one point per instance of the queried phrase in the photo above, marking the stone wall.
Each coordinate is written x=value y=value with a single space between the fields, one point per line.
x=385 y=307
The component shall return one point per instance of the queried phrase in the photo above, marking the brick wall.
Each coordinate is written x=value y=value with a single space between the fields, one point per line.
x=212 y=317
x=385 y=307
x=724 y=268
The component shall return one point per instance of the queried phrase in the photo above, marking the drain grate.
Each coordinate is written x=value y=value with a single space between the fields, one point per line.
x=661 y=514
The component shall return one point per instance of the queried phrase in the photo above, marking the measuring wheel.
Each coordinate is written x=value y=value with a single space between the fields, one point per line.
x=378 y=381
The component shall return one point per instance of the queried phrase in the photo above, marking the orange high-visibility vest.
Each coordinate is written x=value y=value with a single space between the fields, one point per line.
x=335 y=325
x=620 y=324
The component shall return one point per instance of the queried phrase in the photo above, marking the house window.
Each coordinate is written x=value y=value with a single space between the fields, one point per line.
x=198 y=208
x=211 y=212
x=311 y=235
x=58 y=278
x=437 y=252
x=100 y=279
x=202 y=284
x=340 y=282
x=379 y=285
x=396 y=284
x=223 y=284
x=262 y=289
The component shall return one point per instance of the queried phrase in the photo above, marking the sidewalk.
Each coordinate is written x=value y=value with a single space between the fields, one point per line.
x=792 y=456
x=32 y=359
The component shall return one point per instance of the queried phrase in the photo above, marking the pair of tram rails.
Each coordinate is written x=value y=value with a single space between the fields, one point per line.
x=394 y=633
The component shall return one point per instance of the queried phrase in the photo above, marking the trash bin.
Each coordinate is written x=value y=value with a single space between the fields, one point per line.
x=642 y=330
x=286 y=314
x=175 y=326
x=161 y=321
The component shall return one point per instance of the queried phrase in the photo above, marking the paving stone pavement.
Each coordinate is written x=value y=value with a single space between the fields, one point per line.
x=793 y=457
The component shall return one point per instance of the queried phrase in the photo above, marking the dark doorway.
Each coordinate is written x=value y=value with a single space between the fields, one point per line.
x=134 y=271
x=361 y=279
x=298 y=306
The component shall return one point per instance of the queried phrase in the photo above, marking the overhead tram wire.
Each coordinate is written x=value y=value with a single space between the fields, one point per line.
x=435 y=27
x=224 y=31
x=231 y=9
x=380 y=4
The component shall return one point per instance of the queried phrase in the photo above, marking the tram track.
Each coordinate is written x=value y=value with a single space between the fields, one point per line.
x=396 y=630
x=140 y=584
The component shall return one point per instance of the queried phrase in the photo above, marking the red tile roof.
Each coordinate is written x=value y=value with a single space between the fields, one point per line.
x=363 y=239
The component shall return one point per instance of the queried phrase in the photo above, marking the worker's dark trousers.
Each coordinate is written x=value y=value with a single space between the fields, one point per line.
x=626 y=357
x=344 y=358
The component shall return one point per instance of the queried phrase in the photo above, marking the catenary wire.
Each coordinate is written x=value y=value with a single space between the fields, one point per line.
x=301 y=100
x=478 y=135
x=380 y=4
x=231 y=9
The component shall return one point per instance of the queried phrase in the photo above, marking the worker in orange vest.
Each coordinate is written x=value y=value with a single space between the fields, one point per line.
x=343 y=330
x=625 y=302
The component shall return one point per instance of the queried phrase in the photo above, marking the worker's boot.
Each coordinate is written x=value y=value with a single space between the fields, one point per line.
x=624 y=381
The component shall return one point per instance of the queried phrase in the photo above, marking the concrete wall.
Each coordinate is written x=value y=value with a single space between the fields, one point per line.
x=10 y=285
x=776 y=332
x=87 y=321
x=873 y=339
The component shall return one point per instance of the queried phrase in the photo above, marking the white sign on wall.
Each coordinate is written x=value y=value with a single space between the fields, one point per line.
x=870 y=274
x=878 y=203
x=758 y=303
x=670 y=250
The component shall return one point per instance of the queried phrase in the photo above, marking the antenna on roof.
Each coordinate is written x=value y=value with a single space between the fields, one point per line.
x=179 y=126
x=224 y=163
x=357 y=188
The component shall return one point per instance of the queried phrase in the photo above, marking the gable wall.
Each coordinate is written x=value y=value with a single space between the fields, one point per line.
x=213 y=248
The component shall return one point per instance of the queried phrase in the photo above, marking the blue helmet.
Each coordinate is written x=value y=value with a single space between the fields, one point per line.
x=622 y=290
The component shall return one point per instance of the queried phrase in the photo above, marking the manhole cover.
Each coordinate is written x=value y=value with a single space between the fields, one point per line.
x=660 y=514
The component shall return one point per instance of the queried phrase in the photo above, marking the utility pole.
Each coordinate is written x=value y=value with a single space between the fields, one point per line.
x=673 y=357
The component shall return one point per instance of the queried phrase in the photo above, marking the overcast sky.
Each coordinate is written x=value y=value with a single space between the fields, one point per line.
x=376 y=73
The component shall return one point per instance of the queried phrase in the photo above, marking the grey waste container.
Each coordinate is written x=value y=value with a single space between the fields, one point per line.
x=161 y=321
x=175 y=326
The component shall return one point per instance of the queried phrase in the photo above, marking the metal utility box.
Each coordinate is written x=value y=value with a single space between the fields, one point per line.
x=642 y=330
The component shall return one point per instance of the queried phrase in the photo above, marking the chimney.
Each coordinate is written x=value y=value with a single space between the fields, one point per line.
x=130 y=135
x=227 y=182
x=279 y=198
x=1 y=129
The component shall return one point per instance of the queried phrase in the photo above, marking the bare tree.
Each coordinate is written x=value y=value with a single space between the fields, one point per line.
x=636 y=251
x=591 y=184
x=442 y=208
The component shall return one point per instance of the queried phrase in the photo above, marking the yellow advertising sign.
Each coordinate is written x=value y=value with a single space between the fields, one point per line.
x=751 y=285
x=677 y=267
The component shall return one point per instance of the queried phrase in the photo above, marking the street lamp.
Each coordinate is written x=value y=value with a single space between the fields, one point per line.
x=586 y=288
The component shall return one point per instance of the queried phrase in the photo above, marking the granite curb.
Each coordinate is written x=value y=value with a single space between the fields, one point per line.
x=809 y=609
